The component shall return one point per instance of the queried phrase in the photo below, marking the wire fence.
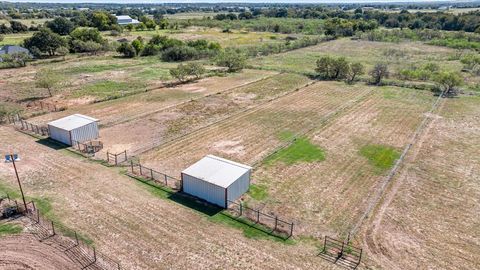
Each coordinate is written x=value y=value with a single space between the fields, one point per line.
x=27 y=126
x=62 y=238
x=43 y=105
x=273 y=222
x=90 y=147
x=158 y=177
x=117 y=158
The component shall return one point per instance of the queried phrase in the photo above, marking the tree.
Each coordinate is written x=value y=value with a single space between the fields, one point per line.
x=448 y=81
x=127 y=50
x=379 y=72
x=61 y=25
x=179 y=73
x=355 y=70
x=87 y=34
x=196 y=70
x=45 y=41
x=183 y=72
x=47 y=79
x=332 y=68
x=232 y=59
x=138 y=45
x=18 y=27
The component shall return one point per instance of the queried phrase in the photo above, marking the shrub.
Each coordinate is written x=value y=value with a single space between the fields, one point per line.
x=127 y=50
x=233 y=60
x=378 y=73
x=179 y=53
x=15 y=60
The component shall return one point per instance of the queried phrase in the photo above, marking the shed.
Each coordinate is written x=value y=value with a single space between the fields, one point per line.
x=216 y=180
x=73 y=128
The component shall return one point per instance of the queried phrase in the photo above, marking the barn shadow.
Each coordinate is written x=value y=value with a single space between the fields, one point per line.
x=195 y=203
x=52 y=144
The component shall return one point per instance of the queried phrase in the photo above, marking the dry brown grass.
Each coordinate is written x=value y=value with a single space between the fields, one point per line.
x=430 y=215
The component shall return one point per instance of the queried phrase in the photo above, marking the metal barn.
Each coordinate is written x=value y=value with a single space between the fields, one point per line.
x=216 y=180
x=74 y=128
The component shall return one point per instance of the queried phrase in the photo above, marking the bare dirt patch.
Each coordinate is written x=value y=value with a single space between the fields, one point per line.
x=24 y=251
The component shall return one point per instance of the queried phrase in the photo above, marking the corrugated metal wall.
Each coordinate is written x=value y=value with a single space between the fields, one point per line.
x=85 y=133
x=81 y=134
x=204 y=190
x=60 y=135
x=237 y=188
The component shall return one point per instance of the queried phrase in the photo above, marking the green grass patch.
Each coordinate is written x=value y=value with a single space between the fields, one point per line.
x=94 y=68
x=258 y=192
x=6 y=229
x=211 y=212
x=301 y=150
x=153 y=73
x=46 y=210
x=380 y=156
x=105 y=89
x=286 y=135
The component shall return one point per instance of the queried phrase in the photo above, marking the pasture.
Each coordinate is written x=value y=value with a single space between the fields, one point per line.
x=320 y=151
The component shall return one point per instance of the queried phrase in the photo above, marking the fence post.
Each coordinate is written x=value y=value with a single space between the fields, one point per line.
x=38 y=216
x=258 y=216
x=21 y=121
x=241 y=208
x=125 y=155
x=325 y=245
x=34 y=207
x=348 y=238
x=151 y=174
x=276 y=223
x=115 y=159
x=360 y=257
x=76 y=237
x=166 y=183
x=140 y=166
x=131 y=164
x=53 y=229
x=94 y=255
x=291 y=229
x=341 y=251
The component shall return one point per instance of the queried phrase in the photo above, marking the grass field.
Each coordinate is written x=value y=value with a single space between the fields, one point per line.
x=236 y=38
x=320 y=152
x=399 y=56
x=431 y=209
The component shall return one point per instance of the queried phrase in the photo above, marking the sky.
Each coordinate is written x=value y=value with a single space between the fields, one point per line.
x=232 y=1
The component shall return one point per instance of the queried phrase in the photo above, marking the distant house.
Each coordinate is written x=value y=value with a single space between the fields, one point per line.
x=125 y=19
x=12 y=49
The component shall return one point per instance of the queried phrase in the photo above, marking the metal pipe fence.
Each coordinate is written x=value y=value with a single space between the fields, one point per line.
x=341 y=252
x=158 y=177
x=273 y=222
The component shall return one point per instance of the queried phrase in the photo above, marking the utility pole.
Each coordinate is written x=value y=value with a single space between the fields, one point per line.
x=18 y=180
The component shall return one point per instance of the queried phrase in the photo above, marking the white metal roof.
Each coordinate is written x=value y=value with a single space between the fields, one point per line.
x=123 y=17
x=216 y=170
x=72 y=122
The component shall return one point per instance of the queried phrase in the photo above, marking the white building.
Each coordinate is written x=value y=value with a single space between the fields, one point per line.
x=216 y=180
x=125 y=19
x=74 y=128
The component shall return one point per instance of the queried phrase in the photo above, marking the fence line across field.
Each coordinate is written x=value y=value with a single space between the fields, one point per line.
x=117 y=158
x=42 y=105
x=27 y=126
x=90 y=147
x=63 y=238
x=271 y=221
x=157 y=177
